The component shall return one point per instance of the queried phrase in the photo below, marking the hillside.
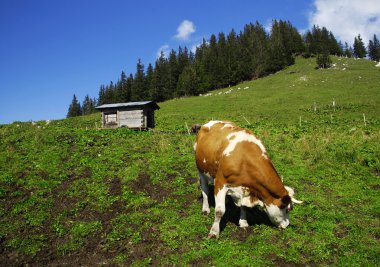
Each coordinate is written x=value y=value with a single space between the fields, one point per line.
x=74 y=195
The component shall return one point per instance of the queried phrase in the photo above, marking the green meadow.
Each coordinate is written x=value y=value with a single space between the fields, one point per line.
x=75 y=195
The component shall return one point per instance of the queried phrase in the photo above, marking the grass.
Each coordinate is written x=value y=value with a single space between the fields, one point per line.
x=71 y=194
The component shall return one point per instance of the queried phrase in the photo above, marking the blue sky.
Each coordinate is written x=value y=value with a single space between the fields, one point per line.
x=52 y=49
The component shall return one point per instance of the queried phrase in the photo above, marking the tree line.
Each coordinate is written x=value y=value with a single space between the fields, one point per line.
x=223 y=61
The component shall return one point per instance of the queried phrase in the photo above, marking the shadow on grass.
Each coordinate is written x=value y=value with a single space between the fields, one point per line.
x=255 y=216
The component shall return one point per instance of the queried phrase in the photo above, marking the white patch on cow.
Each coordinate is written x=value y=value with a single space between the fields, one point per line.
x=204 y=160
x=220 y=209
x=195 y=146
x=290 y=190
x=212 y=123
x=246 y=201
x=279 y=217
x=237 y=137
x=227 y=125
x=237 y=193
x=241 y=197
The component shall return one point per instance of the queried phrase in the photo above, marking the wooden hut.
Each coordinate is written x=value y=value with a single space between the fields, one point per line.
x=134 y=115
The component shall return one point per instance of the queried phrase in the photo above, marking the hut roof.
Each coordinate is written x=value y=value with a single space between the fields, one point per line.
x=129 y=104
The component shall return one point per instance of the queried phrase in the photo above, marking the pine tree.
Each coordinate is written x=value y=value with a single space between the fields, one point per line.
x=347 y=51
x=102 y=95
x=92 y=105
x=173 y=72
x=187 y=82
x=278 y=55
x=210 y=61
x=149 y=81
x=74 y=108
x=359 y=49
x=182 y=59
x=86 y=105
x=139 y=91
x=122 y=95
x=110 y=93
x=232 y=58
x=222 y=61
x=161 y=80
x=129 y=86
x=374 y=49
x=260 y=51
x=334 y=47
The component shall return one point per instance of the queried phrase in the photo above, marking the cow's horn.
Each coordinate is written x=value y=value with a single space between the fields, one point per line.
x=291 y=194
x=296 y=201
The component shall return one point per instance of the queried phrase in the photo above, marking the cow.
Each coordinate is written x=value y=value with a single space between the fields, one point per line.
x=236 y=162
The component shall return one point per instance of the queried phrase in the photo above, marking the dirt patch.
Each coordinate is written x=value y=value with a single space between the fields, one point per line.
x=144 y=184
x=376 y=187
x=242 y=234
x=341 y=231
x=202 y=261
x=115 y=187
x=281 y=263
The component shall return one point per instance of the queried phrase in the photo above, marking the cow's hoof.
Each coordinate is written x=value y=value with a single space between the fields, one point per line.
x=243 y=224
x=205 y=212
x=213 y=236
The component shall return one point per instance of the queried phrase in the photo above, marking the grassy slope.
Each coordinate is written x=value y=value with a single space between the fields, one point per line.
x=71 y=194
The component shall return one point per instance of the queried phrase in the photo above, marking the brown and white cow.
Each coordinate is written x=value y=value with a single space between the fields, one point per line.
x=237 y=163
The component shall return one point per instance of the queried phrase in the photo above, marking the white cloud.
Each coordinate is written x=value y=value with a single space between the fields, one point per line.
x=195 y=46
x=165 y=49
x=268 y=25
x=184 y=30
x=348 y=18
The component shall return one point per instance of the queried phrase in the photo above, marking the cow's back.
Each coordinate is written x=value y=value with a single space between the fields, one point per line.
x=210 y=144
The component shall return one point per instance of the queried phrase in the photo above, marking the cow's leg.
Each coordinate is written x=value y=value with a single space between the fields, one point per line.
x=204 y=187
x=220 y=209
x=243 y=217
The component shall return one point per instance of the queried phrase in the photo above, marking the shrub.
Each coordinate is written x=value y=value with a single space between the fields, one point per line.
x=324 y=60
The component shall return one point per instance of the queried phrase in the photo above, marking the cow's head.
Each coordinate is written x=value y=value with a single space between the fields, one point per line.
x=278 y=211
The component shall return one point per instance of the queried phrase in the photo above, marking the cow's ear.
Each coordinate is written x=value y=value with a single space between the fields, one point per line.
x=285 y=201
